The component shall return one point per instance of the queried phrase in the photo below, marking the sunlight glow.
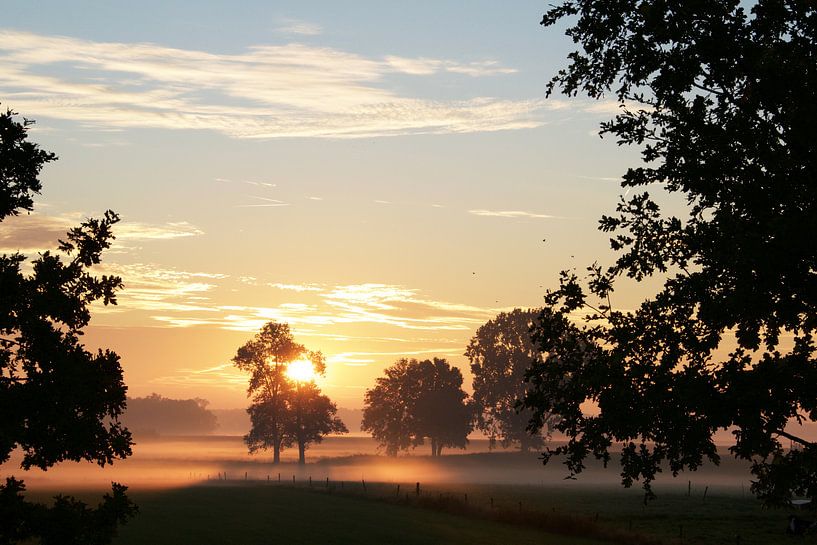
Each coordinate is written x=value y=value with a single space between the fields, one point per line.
x=301 y=371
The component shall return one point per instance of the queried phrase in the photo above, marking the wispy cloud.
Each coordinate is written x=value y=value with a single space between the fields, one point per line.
x=510 y=214
x=427 y=67
x=295 y=287
x=268 y=91
x=266 y=202
x=39 y=232
x=299 y=28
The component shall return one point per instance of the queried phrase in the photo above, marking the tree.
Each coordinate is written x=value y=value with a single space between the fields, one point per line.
x=266 y=357
x=500 y=353
x=722 y=103
x=416 y=400
x=312 y=416
x=58 y=401
x=285 y=411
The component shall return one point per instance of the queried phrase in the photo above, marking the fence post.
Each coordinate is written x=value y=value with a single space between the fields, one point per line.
x=417 y=489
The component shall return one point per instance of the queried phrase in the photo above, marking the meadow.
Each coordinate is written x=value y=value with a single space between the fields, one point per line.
x=209 y=490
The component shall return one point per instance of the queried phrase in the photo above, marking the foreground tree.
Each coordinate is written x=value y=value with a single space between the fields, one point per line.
x=500 y=353
x=266 y=358
x=58 y=401
x=722 y=103
x=416 y=400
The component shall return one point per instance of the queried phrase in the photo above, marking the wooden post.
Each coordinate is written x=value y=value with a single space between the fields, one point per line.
x=466 y=499
x=417 y=489
x=364 y=484
x=492 y=503
x=689 y=488
x=245 y=475
x=279 y=477
x=398 y=490
x=705 y=491
x=310 y=481
x=293 y=479
x=520 y=507
x=327 y=482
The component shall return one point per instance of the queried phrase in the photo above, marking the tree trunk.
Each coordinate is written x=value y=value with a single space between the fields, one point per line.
x=433 y=446
x=440 y=449
x=301 y=453
x=276 y=453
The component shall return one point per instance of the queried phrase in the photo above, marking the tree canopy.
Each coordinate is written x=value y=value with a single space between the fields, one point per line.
x=500 y=353
x=720 y=99
x=284 y=411
x=415 y=401
x=58 y=400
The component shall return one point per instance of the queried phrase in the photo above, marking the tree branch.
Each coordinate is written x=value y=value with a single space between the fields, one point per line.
x=796 y=439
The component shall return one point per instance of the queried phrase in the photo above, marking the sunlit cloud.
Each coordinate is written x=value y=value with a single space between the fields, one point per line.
x=31 y=233
x=267 y=91
x=295 y=287
x=192 y=299
x=224 y=375
x=426 y=67
x=510 y=214
x=152 y=288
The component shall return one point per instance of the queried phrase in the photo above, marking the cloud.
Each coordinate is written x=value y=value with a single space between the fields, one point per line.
x=295 y=287
x=427 y=67
x=192 y=299
x=510 y=214
x=31 y=233
x=267 y=91
x=152 y=288
x=300 y=28
x=266 y=202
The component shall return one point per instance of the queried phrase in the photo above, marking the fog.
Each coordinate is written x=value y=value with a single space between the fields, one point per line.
x=182 y=461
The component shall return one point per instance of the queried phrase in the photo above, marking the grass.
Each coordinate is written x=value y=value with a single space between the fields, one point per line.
x=256 y=514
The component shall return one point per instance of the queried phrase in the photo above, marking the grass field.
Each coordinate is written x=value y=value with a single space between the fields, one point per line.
x=511 y=498
x=256 y=514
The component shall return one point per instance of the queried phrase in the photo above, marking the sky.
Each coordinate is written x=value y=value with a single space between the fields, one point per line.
x=385 y=177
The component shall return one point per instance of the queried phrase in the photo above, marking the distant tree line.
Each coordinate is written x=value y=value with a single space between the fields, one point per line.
x=159 y=415
x=422 y=400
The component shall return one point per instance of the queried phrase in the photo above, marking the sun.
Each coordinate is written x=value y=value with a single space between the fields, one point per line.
x=301 y=371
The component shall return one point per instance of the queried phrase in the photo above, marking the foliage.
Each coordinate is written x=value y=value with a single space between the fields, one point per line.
x=266 y=357
x=284 y=412
x=312 y=416
x=500 y=353
x=59 y=401
x=417 y=400
x=162 y=415
x=722 y=104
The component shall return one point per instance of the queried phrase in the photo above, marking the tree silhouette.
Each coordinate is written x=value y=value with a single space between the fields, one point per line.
x=722 y=103
x=58 y=401
x=311 y=416
x=284 y=412
x=500 y=353
x=416 y=400
x=266 y=357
